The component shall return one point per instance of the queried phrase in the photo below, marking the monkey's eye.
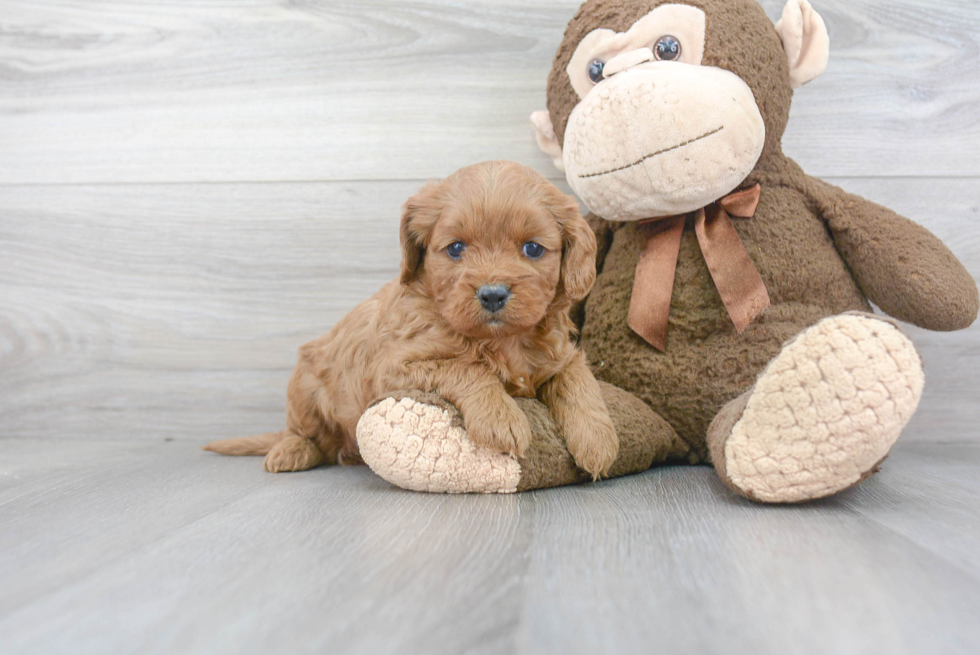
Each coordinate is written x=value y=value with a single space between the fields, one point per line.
x=668 y=48
x=595 y=70
x=455 y=250
x=532 y=250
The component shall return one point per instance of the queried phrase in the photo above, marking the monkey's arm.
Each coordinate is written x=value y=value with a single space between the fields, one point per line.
x=899 y=265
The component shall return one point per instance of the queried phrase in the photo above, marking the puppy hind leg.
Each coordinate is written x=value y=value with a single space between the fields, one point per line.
x=294 y=453
x=308 y=441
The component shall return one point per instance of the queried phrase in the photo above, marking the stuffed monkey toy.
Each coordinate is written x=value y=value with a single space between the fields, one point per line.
x=731 y=320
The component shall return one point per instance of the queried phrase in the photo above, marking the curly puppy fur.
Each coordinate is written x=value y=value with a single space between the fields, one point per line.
x=429 y=330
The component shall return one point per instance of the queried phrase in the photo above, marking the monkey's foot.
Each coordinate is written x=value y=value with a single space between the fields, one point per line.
x=417 y=441
x=823 y=415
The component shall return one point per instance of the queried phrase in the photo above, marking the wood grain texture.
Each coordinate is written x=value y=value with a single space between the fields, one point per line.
x=155 y=308
x=161 y=548
x=147 y=312
x=121 y=91
x=190 y=190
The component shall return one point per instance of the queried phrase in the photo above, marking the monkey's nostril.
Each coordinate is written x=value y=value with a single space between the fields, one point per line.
x=493 y=296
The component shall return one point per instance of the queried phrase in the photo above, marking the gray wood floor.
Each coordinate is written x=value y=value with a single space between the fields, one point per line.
x=142 y=547
x=191 y=189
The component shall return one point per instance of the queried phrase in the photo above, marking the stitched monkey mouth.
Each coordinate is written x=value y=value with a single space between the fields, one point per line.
x=654 y=154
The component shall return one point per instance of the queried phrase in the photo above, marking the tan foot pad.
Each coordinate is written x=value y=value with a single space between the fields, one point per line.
x=423 y=447
x=826 y=411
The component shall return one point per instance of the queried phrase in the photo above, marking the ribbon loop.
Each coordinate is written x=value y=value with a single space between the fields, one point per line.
x=738 y=282
x=742 y=203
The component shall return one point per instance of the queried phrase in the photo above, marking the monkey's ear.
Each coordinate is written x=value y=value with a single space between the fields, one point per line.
x=419 y=216
x=544 y=131
x=805 y=41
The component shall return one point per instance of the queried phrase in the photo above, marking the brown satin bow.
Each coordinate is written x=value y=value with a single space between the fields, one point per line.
x=735 y=276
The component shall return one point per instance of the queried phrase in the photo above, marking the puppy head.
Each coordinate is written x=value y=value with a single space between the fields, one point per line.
x=497 y=247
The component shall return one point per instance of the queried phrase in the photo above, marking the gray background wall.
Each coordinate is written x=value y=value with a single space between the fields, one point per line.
x=190 y=190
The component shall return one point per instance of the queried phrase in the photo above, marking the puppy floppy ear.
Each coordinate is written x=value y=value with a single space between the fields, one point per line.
x=578 y=248
x=419 y=216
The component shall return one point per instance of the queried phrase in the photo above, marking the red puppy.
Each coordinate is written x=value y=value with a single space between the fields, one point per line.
x=494 y=255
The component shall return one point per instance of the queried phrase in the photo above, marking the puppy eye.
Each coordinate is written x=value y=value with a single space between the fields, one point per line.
x=668 y=48
x=596 y=67
x=532 y=250
x=455 y=250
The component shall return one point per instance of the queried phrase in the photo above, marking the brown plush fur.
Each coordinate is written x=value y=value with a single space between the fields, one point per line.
x=819 y=250
x=428 y=330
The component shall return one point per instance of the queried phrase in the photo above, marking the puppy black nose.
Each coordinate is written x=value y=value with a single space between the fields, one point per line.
x=493 y=296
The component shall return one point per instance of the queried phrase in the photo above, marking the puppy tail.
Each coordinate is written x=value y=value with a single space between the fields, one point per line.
x=257 y=445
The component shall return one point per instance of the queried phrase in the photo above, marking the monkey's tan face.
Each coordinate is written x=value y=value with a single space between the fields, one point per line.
x=657 y=133
x=661 y=139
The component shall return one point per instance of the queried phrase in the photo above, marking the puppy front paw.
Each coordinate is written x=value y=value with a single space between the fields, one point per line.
x=498 y=424
x=592 y=441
